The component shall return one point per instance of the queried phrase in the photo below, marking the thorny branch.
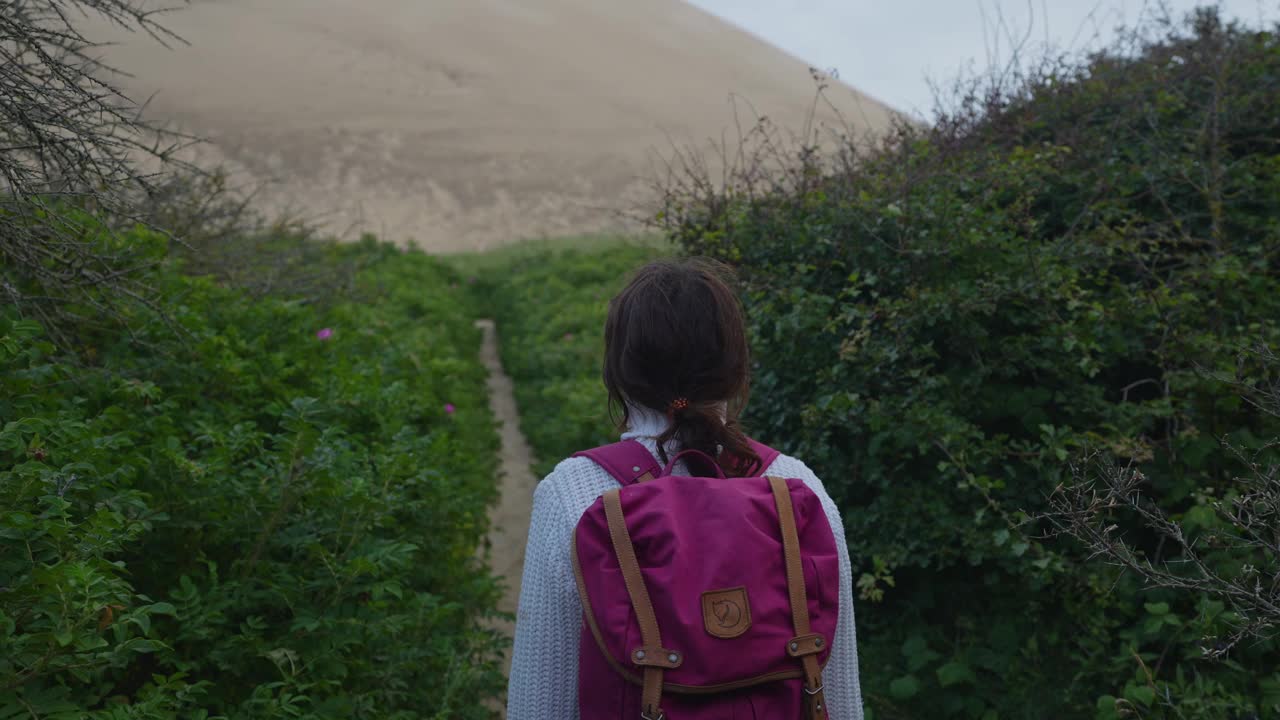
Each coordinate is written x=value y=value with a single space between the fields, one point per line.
x=1235 y=560
x=72 y=147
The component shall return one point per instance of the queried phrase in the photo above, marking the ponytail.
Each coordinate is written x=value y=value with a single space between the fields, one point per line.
x=705 y=427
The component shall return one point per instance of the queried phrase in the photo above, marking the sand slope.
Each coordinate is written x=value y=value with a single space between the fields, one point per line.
x=460 y=123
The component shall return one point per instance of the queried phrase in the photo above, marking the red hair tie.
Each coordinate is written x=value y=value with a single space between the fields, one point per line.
x=677 y=405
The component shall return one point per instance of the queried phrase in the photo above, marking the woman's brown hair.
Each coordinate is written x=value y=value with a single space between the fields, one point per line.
x=676 y=332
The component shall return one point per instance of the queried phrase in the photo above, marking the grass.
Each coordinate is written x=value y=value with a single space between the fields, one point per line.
x=520 y=255
x=549 y=299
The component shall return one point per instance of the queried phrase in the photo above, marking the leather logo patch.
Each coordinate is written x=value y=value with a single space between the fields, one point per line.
x=726 y=613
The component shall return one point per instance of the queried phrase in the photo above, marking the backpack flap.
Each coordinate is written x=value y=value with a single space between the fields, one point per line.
x=711 y=556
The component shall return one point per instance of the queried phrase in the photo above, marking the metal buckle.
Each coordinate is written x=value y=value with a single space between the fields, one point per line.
x=814 y=691
x=646 y=716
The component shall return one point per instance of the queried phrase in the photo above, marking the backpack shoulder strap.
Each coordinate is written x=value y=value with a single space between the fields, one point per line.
x=805 y=645
x=629 y=462
x=766 y=453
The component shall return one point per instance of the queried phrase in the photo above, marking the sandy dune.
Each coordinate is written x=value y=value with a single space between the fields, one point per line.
x=462 y=124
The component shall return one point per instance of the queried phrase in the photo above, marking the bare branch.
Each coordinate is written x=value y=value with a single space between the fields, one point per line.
x=1243 y=538
x=72 y=146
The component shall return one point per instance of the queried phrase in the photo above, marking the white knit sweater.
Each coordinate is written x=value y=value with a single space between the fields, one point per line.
x=549 y=618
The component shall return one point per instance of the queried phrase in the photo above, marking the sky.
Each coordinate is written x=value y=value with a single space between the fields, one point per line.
x=892 y=49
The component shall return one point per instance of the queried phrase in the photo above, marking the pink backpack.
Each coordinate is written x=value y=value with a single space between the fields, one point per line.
x=703 y=597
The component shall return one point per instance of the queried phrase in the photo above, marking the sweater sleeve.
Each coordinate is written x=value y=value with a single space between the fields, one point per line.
x=840 y=675
x=544 y=668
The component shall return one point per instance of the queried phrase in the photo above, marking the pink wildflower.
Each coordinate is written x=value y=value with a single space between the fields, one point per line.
x=324 y=333
x=449 y=408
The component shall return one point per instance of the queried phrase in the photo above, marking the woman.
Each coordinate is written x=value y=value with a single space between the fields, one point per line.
x=677 y=367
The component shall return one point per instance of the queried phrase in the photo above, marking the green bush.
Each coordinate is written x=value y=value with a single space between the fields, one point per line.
x=942 y=325
x=550 y=307
x=250 y=507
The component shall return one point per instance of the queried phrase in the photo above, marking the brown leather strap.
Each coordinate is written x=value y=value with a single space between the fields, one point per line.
x=651 y=656
x=804 y=645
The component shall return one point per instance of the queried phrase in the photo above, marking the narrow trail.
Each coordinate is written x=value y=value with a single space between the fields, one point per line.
x=509 y=520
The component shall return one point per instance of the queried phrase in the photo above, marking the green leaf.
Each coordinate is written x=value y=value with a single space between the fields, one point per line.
x=904 y=687
x=1200 y=516
x=140 y=645
x=142 y=620
x=914 y=645
x=1107 y=708
x=1140 y=694
x=918 y=653
x=1160 y=608
x=1270 y=688
x=955 y=673
x=64 y=636
x=162 y=608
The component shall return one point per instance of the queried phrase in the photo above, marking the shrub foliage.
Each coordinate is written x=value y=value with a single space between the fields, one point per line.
x=251 y=506
x=1071 y=266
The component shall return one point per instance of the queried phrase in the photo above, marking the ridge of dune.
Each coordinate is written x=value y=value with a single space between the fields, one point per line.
x=462 y=124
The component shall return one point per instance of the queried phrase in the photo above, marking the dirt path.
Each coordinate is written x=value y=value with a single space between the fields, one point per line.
x=509 y=522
